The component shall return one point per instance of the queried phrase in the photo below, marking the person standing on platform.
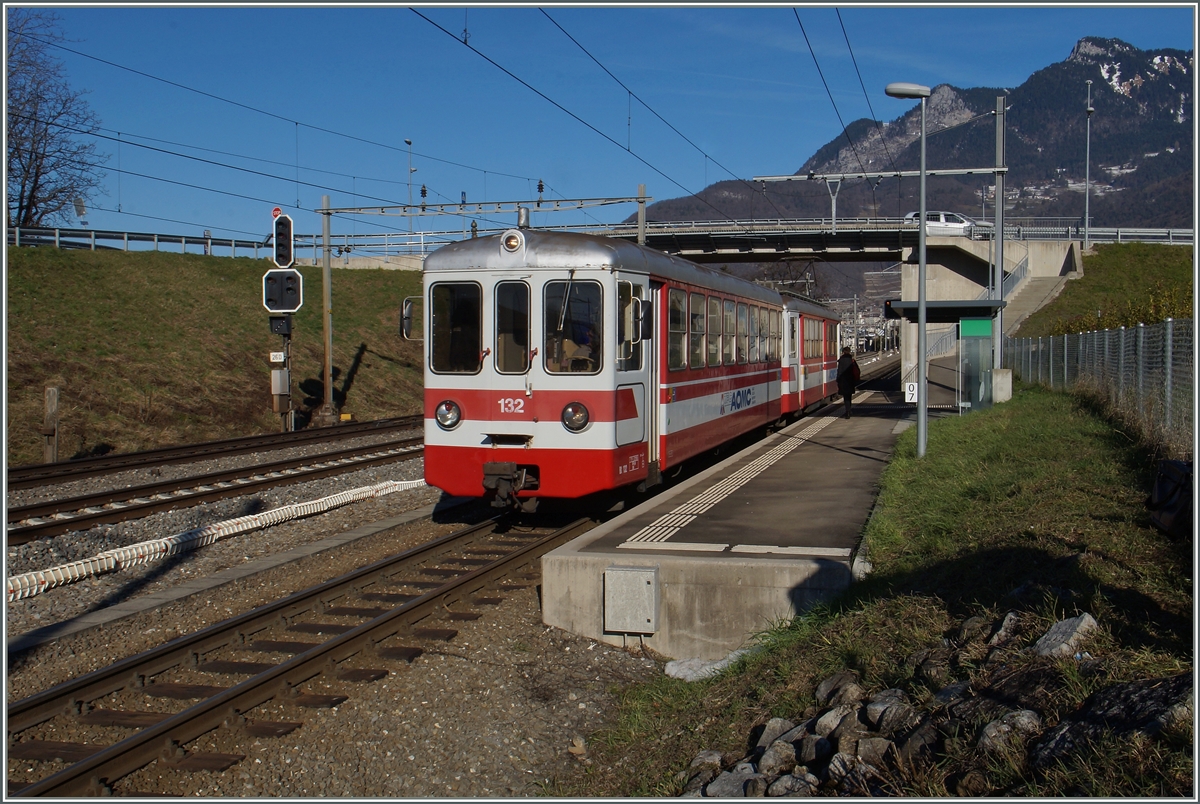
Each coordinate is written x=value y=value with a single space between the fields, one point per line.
x=847 y=377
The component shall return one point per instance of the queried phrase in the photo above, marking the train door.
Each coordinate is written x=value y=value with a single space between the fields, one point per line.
x=791 y=349
x=651 y=333
x=632 y=379
x=635 y=387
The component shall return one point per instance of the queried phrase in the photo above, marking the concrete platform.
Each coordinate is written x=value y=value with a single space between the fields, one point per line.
x=758 y=538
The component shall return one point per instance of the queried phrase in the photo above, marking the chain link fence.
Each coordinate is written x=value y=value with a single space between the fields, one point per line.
x=1144 y=372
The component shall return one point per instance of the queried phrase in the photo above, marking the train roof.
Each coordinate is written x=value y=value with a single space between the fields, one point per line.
x=566 y=250
x=808 y=307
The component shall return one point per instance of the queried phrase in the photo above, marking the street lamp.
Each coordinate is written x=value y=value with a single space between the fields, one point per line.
x=910 y=91
x=1087 y=170
x=410 y=172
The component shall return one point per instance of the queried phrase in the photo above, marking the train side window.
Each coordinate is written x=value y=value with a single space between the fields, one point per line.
x=574 y=316
x=676 y=329
x=812 y=338
x=696 y=342
x=831 y=340
x=714 y=331
x=729 y=345
x=792 y=328
x=512 y=327
x=629 y=347
x=752 y=351
x=764 y=334
x=456 y=330
x=774 y=334
x=743 y=329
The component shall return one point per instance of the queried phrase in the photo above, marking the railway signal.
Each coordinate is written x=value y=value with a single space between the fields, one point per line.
x=283 y=290
x=283 y=256
x=283 y=294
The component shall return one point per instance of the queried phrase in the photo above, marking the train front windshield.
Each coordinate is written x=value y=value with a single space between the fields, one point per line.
x=574 y=327
x=572 y=338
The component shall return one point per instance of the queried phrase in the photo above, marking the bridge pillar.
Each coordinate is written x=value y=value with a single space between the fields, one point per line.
x=958 y=268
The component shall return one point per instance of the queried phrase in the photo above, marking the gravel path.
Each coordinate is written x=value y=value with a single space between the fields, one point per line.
x=494 y=712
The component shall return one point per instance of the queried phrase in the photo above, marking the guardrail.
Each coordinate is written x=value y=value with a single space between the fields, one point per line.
x=1180 y=237
x=421 y=243
x=98 y=239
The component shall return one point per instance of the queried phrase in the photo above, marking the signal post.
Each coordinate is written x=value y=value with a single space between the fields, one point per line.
x=283 y=294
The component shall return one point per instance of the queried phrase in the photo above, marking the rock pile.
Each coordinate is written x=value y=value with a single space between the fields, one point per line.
x=861 y=743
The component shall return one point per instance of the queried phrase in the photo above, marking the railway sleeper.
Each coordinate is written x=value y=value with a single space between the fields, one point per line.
x=259 y=728
x=51 y=750
x=280 y=646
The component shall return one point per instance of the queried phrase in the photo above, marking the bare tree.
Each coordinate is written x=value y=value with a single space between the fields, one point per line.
x=51 y=158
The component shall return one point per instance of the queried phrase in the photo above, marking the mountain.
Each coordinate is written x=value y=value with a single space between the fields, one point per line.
x=1141 y=150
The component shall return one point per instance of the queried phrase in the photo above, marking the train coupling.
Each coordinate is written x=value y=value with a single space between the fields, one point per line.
x=506 y=479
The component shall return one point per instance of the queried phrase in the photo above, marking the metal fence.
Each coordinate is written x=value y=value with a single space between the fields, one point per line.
x=1145 y=372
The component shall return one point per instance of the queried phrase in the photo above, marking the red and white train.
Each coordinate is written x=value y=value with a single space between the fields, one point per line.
x=560 y=364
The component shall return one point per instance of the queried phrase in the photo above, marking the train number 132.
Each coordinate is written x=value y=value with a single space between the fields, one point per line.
x=512 y=405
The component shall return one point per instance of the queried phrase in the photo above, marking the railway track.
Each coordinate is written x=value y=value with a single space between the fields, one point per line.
x=28 y=522
x=223 y=687
x=23 y=477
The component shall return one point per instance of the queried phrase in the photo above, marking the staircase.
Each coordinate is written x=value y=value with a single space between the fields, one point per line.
x=1033 y=294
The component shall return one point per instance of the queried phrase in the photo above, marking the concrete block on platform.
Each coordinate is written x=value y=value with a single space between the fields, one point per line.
x=707 y=606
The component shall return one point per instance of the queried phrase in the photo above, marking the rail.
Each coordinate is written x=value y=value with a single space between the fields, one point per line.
x=383 y=635
x=36 y=520
x=41 y=474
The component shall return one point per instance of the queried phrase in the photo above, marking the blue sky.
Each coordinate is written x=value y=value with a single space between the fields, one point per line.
x=326 y=96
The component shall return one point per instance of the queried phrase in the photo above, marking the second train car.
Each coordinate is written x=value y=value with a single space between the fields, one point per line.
x=559 y=364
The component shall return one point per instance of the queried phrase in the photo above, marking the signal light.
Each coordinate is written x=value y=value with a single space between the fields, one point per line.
x=283 y=291
x=283 y=256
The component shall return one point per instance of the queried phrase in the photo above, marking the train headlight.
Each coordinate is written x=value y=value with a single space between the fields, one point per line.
x=575 y=417
x=448 y=415
x=511 y=241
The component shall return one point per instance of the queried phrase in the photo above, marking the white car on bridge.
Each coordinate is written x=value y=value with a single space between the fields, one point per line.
x=946 y=223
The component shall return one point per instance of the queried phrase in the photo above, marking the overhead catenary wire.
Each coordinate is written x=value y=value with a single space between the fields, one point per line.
x=99 y=208
x=708 y=157
x=867 y=96
x=828 y=91
x=261 y=174
x=571 y=114
x=257 y=110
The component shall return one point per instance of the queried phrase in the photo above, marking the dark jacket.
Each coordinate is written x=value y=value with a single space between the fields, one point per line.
x=847 y=367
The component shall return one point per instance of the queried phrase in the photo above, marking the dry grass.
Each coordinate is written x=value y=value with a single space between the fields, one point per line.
x=149 y=348
x=1122 y=284
x=1035 y=505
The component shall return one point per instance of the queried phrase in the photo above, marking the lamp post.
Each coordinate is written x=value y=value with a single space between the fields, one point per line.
x=1087 y=171
x=911 y=91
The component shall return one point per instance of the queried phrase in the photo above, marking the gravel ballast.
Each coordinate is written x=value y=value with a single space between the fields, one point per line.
x=504 y=709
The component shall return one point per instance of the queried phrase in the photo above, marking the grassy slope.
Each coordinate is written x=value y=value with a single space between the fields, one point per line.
x=1126 y=283
x=149 y=349
x=1041 y=490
